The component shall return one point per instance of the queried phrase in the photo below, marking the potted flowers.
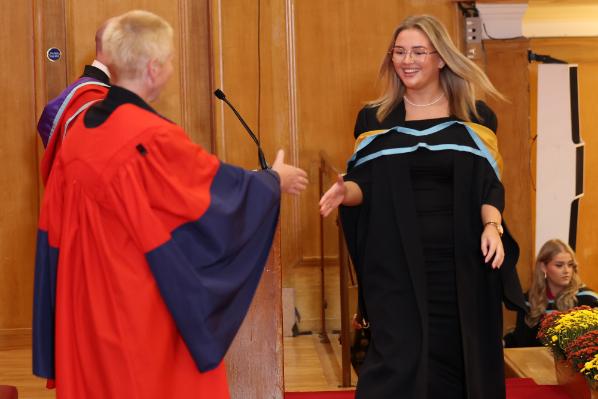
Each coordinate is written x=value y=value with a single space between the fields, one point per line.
x=590 y=370
x=573 y=338
x=583 y=349
x=582 y=353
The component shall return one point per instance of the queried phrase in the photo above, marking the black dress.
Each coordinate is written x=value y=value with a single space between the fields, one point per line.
x=434 y=307
x=432 y=182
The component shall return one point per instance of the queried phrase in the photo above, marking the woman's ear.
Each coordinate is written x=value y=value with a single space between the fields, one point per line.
x=543 y=267
x=441 y=64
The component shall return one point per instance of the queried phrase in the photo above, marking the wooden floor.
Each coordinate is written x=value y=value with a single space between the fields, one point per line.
x=310 y=365
x=313 y=365
x=15 y=369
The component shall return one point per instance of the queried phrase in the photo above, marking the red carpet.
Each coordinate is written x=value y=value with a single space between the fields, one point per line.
x=517 y=388
x=320 y=395
x=524 y=388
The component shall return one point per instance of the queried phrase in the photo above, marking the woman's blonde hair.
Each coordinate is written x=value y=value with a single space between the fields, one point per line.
x=135 y=38
x=458 y=78
x=566 y=299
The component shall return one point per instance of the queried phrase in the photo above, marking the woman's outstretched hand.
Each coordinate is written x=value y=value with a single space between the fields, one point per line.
x=333 y=197
x=492 y=246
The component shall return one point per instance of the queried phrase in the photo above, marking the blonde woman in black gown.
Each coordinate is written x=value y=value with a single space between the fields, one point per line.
x=421 y=208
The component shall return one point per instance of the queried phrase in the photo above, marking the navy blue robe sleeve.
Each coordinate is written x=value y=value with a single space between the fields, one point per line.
x=44 y=304
x=209 y=271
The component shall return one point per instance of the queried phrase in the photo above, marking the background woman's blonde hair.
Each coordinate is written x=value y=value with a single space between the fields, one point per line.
x=133 y=39
x=459 y=77
x=566 y=299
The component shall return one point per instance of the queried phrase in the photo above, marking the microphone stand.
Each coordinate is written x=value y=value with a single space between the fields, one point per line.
x=260 y=154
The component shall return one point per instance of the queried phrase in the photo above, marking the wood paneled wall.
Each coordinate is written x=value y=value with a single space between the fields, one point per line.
x=28 y=29
x=584 y=53
x=515 y=144
x=186 y=99
x=254 y=66
x=508 y=67
x=299 y=71
x=18 y=160
x=338 y=51
x=514 y=138
x=339 y=48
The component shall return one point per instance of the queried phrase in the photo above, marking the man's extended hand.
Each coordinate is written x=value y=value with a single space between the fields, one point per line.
x=293 y=180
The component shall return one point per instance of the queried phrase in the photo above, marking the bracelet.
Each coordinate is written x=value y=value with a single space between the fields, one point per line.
x=497 y=225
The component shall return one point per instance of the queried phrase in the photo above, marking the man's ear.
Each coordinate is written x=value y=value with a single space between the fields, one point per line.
x=152 y=69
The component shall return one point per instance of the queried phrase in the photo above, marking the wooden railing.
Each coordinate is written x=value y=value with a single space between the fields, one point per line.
x=328 y=173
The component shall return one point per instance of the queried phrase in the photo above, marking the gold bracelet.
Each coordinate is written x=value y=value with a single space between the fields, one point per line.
x=497 y=225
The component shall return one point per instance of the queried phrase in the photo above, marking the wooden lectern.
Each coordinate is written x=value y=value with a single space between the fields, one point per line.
x=255 y=360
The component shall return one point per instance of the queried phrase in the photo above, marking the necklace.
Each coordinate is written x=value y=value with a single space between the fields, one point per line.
x=423 y=105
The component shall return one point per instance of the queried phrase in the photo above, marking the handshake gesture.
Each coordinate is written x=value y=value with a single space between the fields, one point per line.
x=293 y=180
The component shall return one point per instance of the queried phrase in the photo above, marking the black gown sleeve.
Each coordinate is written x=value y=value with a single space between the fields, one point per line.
x=487 y=116
x=493 y=190
x=363 y=123
x=352 y=217
x=523 y=335
x=361 y=175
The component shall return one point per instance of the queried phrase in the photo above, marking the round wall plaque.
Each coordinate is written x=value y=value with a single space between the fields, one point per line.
x=53 y=54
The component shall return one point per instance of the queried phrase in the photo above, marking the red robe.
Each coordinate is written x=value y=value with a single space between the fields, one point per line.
x=149 y=252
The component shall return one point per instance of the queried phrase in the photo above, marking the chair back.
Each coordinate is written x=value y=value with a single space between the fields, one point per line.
x=8 y=392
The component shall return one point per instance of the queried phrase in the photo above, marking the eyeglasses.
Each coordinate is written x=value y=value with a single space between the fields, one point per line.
x=418 y=54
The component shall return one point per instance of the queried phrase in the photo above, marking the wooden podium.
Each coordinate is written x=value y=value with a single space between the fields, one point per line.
x=255 y=360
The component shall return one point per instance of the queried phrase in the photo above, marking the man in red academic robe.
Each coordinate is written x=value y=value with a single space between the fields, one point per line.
x=149 y=248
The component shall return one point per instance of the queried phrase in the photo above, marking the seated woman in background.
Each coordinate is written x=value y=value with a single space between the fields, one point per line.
x=555 y=286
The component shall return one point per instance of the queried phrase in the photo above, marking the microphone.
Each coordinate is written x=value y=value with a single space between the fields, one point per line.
x=260 y=154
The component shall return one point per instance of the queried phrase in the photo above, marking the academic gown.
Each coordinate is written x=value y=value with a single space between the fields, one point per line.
x=149 y=252
x=383 y=239
x=91 y=87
